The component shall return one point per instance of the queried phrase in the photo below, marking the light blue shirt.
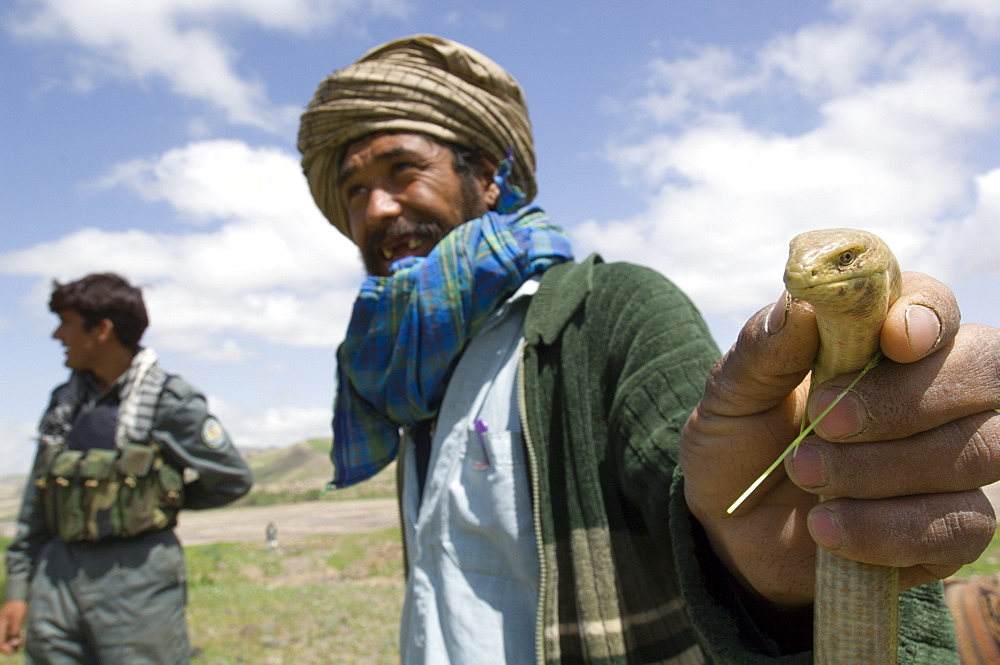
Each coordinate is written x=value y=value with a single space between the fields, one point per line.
x=472 y=590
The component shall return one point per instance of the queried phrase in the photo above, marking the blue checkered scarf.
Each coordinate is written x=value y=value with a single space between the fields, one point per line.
x=407 y=330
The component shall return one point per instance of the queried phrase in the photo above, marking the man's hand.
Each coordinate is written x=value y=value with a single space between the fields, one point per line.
x=915 y=439
x=12 y=614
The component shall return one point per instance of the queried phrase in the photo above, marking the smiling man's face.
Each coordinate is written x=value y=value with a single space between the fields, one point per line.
x=403 y=195
x=84 y=347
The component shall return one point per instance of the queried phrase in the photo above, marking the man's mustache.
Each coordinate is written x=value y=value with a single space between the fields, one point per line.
x=379 y=237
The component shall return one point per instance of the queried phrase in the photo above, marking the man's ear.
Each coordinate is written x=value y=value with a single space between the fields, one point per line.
x=491 y=196
x=106 y=330
x=487 y=167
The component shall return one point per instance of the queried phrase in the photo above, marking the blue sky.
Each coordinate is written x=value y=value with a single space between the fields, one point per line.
x=157 y=139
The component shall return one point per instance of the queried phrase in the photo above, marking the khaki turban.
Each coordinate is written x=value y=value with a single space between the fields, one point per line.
x=416 y=84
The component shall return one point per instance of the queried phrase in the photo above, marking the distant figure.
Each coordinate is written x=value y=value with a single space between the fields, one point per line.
x=272 y=536
x=95 y=535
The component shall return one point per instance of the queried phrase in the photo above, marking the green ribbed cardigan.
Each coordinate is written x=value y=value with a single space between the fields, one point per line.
x=615 y=360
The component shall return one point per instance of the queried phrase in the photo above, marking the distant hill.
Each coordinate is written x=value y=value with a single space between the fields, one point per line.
x=302 y=464
x=302 y=471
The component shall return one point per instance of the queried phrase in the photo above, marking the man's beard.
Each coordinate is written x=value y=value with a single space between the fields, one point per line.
x=429 y=230
x=371 y=255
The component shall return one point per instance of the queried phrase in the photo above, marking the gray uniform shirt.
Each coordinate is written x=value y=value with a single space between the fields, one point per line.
x=189 y=437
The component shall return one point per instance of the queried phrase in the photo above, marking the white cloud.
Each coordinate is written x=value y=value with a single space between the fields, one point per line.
x=273 y=233
x=822 y=58
x=217 y=179
x=177 y=41
x=709 y=77
x=262 y=264
x=271 y=427
x=980 y=16
x=973 y=248
x=891 y=124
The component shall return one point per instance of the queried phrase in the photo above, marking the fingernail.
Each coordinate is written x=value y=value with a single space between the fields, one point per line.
x=809 y=467
x=923 y=329
x=847 y=418
x=776 y=317
x=825 y=529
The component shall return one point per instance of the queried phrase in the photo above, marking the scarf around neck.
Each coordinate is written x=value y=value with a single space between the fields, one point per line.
x=138 y=393
x=407 y=330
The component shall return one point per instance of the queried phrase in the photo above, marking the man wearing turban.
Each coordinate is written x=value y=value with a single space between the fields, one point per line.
x=564 y=470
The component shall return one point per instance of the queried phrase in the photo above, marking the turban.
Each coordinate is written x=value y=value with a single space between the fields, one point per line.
x=421 y=84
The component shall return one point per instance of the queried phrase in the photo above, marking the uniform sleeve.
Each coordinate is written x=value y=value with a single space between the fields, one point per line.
x=192 y=438
x=31 y=535
x=32 y=532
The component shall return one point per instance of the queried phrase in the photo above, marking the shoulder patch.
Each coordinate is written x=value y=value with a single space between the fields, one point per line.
x=212 y=434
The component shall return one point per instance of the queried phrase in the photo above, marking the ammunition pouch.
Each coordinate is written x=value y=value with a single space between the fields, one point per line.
x=108 y=493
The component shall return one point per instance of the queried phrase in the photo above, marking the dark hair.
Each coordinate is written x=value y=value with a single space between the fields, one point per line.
x=466 y=161
x=104 y=296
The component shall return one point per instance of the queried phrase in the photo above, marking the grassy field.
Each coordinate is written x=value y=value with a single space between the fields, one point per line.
x=328 y=599
x=322 y=600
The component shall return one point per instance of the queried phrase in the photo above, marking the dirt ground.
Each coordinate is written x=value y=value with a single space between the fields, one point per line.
x=312 y=518
x=293 y=520
x=309 y=518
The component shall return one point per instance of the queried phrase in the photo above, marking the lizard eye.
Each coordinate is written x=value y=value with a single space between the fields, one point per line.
x=847 y=257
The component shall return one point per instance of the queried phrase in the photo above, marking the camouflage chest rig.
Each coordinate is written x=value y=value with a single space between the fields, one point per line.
x=118 y=492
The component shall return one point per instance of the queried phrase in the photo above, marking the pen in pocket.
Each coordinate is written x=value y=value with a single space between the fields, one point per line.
x=480 y=430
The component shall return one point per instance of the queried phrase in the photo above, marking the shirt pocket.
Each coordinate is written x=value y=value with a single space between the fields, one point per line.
x=495 y=449
x=490 y=527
